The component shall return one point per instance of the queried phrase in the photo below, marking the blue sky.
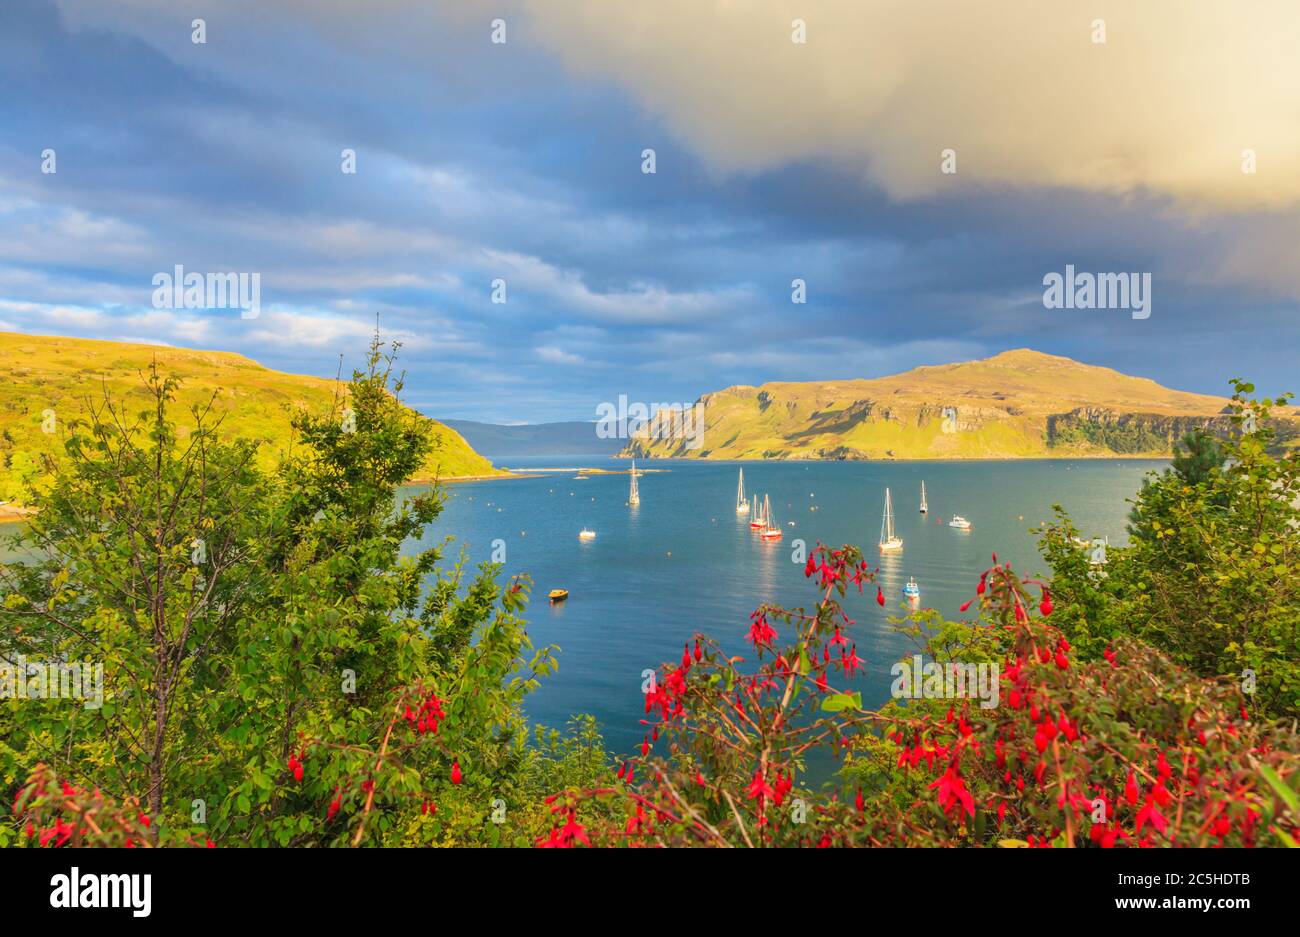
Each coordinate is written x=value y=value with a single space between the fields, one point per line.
x=775 y=160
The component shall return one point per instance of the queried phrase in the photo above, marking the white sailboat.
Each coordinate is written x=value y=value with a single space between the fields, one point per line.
x=742 y=505
x=771 y=530
x=924 y=507
x=756 y=519
x=634 y=493
x=889 y=541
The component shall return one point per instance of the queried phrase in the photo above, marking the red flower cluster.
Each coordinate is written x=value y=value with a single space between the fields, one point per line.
x=428 y=716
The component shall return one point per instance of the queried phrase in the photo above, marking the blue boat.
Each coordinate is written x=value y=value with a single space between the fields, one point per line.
x=912 y=590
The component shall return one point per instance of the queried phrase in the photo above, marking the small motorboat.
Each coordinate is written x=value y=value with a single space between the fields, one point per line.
x=558 y=595
x=586 y=534
x=959 y=522
x=912 y=590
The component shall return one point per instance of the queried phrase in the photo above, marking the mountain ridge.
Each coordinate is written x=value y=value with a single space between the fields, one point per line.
x=1019 y=403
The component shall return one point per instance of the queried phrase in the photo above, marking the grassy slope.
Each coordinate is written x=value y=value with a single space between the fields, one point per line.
x=1003 y=404
x=39 y=372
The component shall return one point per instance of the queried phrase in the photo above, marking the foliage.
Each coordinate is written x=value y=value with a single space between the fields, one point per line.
x=1212 y=573
x=1129 y=750
x=275 y=669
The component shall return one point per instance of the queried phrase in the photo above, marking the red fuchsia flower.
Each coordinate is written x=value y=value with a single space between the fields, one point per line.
x=953 y=792
x=784 y=784
x=1150 y=813
x=686 y=657
x=966 y=605
x=979 y=589
x=1104 y=835
x=760 y=632
x=1163 y=770
x=880 y=596
x=335 y=804
x=295 y=766
x=837 y=638
x=1045 y=606
x=1062 y=662
x=645 y=747
x=60 y=833
x=698 y=653
x=1002 y=811
x=1110 y=656
x=699 y=779
x=851 y=661
x=759 y=788
x=1131 y=790
x=456 y=776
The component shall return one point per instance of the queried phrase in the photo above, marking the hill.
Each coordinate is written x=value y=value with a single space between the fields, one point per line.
x=1018 y=404
x=568 y=438
x=43 y=373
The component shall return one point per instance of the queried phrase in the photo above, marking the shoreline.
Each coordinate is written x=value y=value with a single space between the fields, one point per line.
x=978 y=458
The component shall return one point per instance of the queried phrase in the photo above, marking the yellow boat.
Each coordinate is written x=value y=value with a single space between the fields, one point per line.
x=558 y=595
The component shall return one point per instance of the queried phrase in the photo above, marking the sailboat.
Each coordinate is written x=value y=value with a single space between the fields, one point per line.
x=889 y=542
x=756 y=519
x=912 y=590
x=634 y=493
x=924 y=507
x=742 y=506
x=771 y=530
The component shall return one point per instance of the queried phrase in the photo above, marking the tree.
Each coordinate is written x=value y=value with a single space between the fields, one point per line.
x=279 y=665
x=1210 y=575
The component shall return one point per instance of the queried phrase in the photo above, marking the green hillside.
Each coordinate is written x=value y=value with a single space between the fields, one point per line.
x=1018 y=404
x=41 y=373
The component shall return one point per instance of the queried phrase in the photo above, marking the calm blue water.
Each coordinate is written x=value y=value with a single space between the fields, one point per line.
x=684 y=561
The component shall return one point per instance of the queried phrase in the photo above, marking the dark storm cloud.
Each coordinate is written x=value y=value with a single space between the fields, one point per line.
x=478 y=161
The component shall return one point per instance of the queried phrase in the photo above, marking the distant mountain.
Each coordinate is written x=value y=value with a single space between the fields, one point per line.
x=1019 y=404
x=508 y=442
x=43 y=373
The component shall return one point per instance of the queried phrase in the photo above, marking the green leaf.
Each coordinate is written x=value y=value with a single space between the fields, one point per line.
x=838 y=702
x=1280 y=786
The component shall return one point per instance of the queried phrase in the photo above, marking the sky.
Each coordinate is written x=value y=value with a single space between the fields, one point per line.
x=920 y=167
